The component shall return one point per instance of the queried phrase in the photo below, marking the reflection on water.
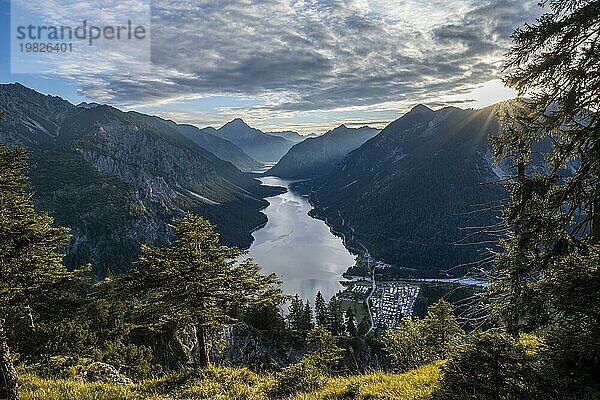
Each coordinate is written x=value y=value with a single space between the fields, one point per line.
x=301 y=250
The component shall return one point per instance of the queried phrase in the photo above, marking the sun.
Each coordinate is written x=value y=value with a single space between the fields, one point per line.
x=489 y=93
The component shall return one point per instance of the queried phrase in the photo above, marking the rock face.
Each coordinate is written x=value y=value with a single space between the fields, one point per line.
x=406 y=194
x=242 y=345
x=105 y=373
x=117 y=179
x=320 y=155
x=258 y=145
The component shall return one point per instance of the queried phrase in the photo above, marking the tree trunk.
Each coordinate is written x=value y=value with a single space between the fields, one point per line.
x=8 y=373
x=203 y=360
x=512 y=323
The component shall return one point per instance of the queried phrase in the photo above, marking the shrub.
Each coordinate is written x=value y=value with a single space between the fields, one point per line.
x=303 y=376
x=61 y=367
x=406 y=345
x=496 y=366
x=134 y=361
x=418 y=342
x=325 y=352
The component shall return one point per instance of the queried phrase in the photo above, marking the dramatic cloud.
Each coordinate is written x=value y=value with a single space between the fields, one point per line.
x=303 y=56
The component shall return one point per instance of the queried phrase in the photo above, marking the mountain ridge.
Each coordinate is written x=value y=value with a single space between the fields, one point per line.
x=319 y=155
x=404 y=194
x=257 y=144
x=288 y=135
x=117 y=180
x=205 y=138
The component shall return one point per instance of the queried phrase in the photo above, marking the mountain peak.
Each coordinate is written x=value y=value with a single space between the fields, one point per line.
x=83 y=104
x=254 y=142
x=420 y=108
x=341 y=127
x=238 y=122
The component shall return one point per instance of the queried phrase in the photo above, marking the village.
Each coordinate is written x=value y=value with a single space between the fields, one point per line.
x=386 y=303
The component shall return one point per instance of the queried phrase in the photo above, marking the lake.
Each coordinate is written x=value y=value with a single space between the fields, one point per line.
x=301 y=250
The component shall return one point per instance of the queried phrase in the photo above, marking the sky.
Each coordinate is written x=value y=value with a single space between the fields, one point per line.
x=303 y=65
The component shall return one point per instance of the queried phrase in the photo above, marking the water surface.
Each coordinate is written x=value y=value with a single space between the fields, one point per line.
x=301 y=250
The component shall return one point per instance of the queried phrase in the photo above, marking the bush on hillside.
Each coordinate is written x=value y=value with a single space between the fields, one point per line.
x=421 y=341
x=496 y=366
x=304 y=376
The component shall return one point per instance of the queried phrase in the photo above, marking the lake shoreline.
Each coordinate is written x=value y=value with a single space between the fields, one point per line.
x=301 y=249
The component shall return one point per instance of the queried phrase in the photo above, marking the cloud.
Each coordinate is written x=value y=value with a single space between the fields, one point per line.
x=307 y=55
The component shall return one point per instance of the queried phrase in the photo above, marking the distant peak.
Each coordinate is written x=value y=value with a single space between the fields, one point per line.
x=420 y=108
x=238 y=122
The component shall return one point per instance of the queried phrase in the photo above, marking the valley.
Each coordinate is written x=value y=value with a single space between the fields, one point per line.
x=306 y=211
x=316 y=200
x=310 y=257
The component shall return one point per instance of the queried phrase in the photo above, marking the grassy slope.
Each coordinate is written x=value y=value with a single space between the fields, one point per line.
x=229 y=383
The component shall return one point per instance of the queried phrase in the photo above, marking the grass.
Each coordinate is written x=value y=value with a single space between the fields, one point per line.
x=413 y=385
x=235 y=384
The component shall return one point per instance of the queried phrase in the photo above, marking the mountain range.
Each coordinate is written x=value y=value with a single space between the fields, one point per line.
x=257 y=144
x=117 y=179
x=407 y=194
x=318 y=155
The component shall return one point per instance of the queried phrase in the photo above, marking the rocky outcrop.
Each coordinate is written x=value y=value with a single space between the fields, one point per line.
x=241 y=345
x=105 y=373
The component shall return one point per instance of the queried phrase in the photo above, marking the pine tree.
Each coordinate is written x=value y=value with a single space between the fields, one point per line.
x=34 y=283
x=195 y=281
x=350 y=322
x=296 y=314
x=554 y=65
x=335 y=319
x=320 y=310
x=307 y=317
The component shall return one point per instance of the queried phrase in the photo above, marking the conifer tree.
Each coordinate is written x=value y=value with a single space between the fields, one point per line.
x=34 y=283
x=195 y=281
x=307 y=317
x=335 y=318
x=320 y=310
x=296 y=314
x=555 y=211
x=265 y=317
